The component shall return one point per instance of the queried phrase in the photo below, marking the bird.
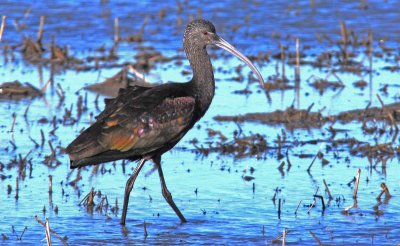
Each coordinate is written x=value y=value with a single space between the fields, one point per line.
x=142 y=123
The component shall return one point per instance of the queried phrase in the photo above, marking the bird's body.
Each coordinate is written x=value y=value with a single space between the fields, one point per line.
x=142 y=123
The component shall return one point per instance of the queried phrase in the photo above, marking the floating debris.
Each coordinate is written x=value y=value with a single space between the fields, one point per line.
x=304 y=119
x=32 y=50
x=373 y=113
x=254 y=145
x=122 y=79
x=292 y=118
x=16 y=90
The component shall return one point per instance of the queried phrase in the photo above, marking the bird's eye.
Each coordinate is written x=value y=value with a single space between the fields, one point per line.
x=205 y=33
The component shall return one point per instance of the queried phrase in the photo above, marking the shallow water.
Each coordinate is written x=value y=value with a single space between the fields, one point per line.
x=225 y=209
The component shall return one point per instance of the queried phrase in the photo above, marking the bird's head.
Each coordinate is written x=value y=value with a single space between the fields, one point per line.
x=200 y=33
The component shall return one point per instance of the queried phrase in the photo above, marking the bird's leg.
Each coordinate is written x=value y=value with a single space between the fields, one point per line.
x=129 y=187
x=167 y=195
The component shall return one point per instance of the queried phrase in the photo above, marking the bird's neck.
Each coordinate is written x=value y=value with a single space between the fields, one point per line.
x=203 y=78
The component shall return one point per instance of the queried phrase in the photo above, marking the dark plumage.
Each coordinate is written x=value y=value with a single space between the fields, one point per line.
x=142 y=123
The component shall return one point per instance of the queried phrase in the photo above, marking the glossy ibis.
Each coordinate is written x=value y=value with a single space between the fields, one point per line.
x=142 y=123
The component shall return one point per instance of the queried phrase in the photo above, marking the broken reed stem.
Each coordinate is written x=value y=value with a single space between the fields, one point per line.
x=53 y=152
x=13 y=122
x=284 y=237
x=146 y=19
x=385 y=190
x=279 y=237
x=279 y=208
x=43 y=139
x=316 y=192
x=41 y=27
x=13 y=144
x=312 y=162
x=322 y=200
x=3 y=23
x=48 y=237
x=50 y=184
x=327 y=189
x=52 y=47
x=16 y=188
x=88 y=199
x=295 y=212
x=26 y=110
x=315 y=238
x=344 y=34
x=297 y=76
x=380 y=195
x=34 y=142
x=43 y=90
x=63 y=240
x=22 y=234
x=116 y=30
x=283 y=63
x=145 y=230
x=387 y=112
x=288 y=161
x=370 y=49
x=311 y=206
x=314 y=200
x=357 y=182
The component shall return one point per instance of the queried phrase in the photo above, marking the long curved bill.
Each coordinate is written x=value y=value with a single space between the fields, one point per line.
x=220 y=42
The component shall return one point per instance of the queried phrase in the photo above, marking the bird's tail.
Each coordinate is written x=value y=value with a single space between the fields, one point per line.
x=101 y=158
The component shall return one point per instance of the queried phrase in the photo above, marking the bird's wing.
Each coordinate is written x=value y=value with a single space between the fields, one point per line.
x=130 y=92
x=142 y=122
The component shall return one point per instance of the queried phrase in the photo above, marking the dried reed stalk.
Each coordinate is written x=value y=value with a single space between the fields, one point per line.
x=48 y=237
x=279 y=208
x=280 y=236
x=16 y=188
x=327 y=189
x=357 y=182
x=283 y=63
x=385 y=190
x=345 y=39
x=388 y=113
x=3 y=24
x=26 y=110
x=295 y=212
x=41 y=28
x=312 y=162
x=116 y=30
x=145 y=230
x=50 y=184
x=62 y=239
x=284 y=237
x=297 y=76
x=13 y=122
x=315 y=238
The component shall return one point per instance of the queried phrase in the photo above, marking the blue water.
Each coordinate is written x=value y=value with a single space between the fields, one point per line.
x=225 y=209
